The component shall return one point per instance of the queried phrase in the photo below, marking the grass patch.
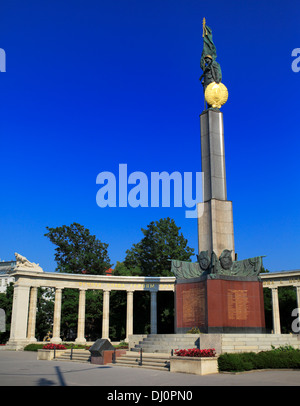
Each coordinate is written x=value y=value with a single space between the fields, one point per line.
x=121 y=345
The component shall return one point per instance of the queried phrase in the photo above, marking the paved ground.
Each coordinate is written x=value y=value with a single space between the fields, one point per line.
x=23 y=369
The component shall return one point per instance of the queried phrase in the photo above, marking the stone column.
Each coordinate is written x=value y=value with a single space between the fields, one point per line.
x=32 y=315
x=275 y=309
x=153 y=318
x=81 y=318
x=129 y=316
x=18 y=329
x=215 y=219
x=57 y=317
x=213 y=155
x=105 y=316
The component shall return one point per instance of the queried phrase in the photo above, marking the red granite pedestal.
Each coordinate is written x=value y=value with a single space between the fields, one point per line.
x=222 y=304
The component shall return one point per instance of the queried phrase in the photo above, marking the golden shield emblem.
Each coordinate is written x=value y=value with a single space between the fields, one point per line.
x=216 y=94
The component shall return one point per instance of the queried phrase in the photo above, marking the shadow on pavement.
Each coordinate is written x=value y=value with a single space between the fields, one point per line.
x=60 y=377
x=47 y=382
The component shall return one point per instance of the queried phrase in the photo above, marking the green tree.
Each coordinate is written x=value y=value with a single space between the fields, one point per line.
x=93 y=314
x=69 y=314
x=122 y=270
x=162 y=241
x=45 y=310
x=118 y=303
x=78 y=251
x=287 y=302
x=6 y=300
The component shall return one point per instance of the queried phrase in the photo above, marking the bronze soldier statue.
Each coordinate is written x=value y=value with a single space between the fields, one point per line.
x=211 y=68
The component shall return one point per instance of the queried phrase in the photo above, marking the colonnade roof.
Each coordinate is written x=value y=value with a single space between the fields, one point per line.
x=111 y=282
x=87 y=281
x=282 y=278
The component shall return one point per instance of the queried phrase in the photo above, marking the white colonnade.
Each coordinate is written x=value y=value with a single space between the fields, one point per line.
x=23 y=322
x=25 y=301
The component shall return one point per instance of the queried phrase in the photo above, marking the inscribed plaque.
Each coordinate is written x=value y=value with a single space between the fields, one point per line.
x=193 y=301
x=238 y=304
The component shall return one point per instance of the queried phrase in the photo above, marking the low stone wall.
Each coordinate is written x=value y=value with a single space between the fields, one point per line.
x=232 y=343
x=48 y=355
x=207 y=341
x=235 y=343
x=194 y=365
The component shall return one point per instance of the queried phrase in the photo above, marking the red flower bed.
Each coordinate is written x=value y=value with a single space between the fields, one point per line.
x=196 y=352
x=54 y=346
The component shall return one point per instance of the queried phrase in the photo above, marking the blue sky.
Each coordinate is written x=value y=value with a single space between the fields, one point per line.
x=93 y=84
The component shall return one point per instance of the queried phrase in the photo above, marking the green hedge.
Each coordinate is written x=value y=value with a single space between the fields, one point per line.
x=35 y=347
x=121 y=345
x=246 y=361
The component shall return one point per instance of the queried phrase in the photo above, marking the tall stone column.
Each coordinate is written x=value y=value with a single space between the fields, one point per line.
x=129 y=315
x=57 y=317
x=153 y=318
x=81 y=318
x=275 y=310
x=32 y=315
x=18 y=328
x=215 y=219
x=105 y=316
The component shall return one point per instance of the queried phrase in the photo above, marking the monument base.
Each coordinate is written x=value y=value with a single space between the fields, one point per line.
x=219 y=304
x=16 y=345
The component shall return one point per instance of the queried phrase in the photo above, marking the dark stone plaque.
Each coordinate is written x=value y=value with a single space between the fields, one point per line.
x=99 y=346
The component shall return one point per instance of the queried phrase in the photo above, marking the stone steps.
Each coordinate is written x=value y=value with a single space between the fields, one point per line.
x=77 y=356
x=165 y=343
x=157 y=361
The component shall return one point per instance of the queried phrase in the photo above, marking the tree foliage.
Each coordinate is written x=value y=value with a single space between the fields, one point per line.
x=6 y=300
x=162 y=241
x=45 y=311
x=78 y=251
